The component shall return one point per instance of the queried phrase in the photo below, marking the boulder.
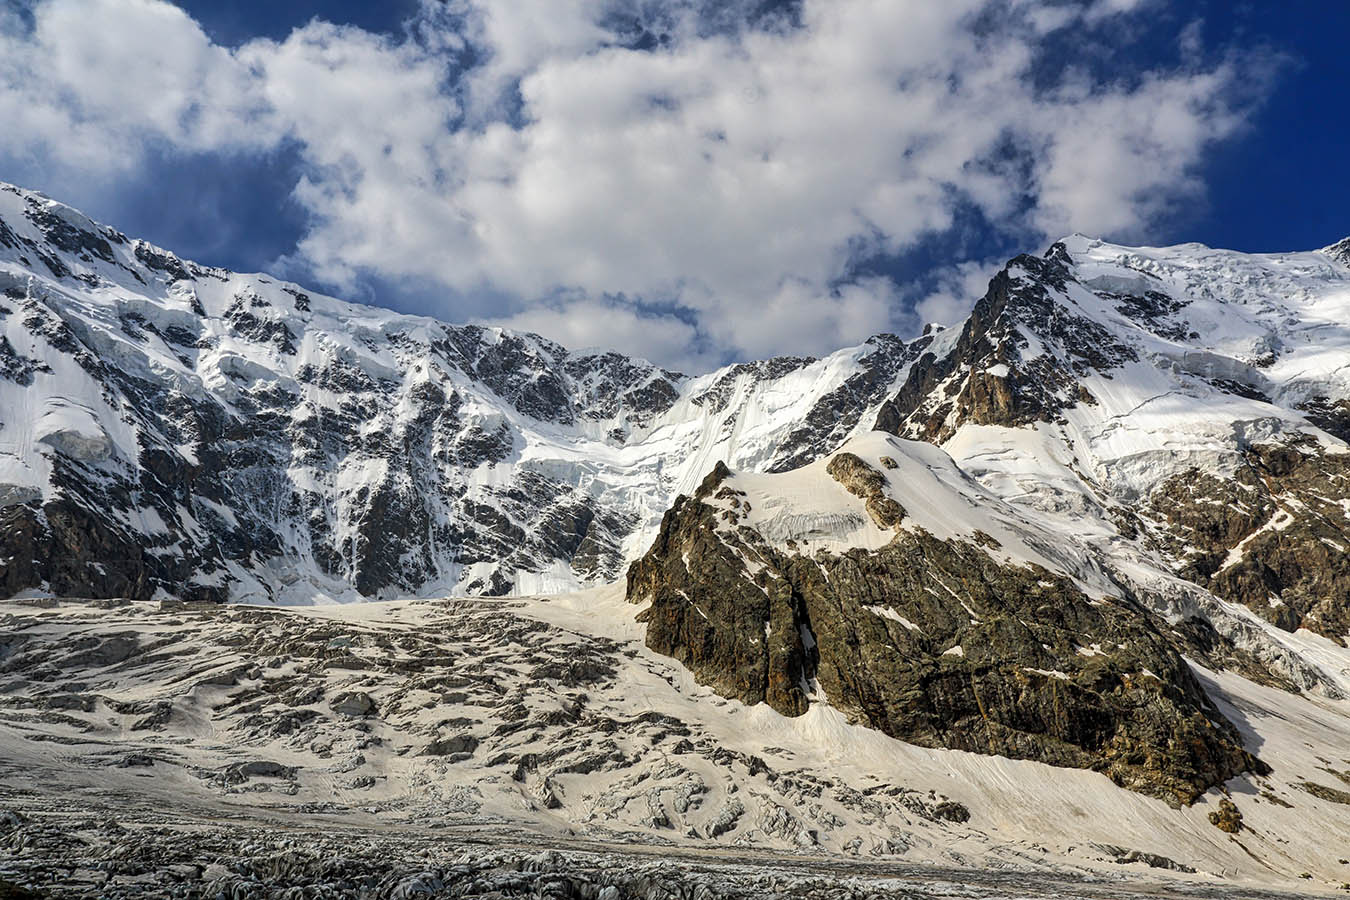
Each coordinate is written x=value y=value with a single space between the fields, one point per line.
x=355 y=704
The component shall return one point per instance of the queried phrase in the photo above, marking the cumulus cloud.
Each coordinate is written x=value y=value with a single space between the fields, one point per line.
x=92 y=82
x=957 y=286
x=735 y=170
x=584 y=323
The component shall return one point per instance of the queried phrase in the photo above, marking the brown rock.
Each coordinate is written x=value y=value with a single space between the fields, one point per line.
x=1018 y=687
x=1226 y=817
x=1272 y=537
x=861 y=480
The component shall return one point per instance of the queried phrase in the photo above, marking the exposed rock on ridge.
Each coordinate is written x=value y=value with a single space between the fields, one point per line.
x=993 y=375
x=867 y=483
x=1272 y=536
x=931 y=641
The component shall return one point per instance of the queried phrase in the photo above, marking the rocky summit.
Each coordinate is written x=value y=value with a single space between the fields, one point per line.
x=1060 y=591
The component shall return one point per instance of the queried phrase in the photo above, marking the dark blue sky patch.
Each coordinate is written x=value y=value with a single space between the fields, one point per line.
x=918 y=268
x=239 y=215
x=236 y=22
x=1282 y=185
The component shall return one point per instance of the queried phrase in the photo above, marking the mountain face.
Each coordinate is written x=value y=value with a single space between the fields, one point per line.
x=1017 y=537
x=1196 y=399
x=936 y=616
x=1139 y=458
x=167 y=428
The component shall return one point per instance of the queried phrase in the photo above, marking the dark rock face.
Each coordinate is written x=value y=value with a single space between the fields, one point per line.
x=1154 y=311
x=989 y=377
x=739 y=636
x=65 y=236
x=935 y=643
x=649 y=391
x=1272 y=537
x=15 y=366
x=73 y=551
x=1332 y=416
x=251 y=318
x=519 y=371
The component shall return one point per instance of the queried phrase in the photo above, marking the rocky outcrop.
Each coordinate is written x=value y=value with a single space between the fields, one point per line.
x=1272 y=536
x=865 y=482
x=1332 y=416
x=739 y=635
x=66 y=546
x=1227 y=817
x=934 y=642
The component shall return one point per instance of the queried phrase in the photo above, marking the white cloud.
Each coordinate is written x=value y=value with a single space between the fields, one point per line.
x=957 y=289
x=95 y=80
x=799 y=317
x=581 y=323
x=375 y=125
x=1114 y=162
x=734 y=174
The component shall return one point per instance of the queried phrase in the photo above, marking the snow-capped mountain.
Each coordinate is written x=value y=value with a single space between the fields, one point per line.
x=1185 y=407
x=172 y=427
x=1101 y=526
x=169 y=427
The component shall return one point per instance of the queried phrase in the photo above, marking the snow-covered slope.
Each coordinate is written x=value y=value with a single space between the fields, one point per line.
x=170 y=427
x=1102 y=526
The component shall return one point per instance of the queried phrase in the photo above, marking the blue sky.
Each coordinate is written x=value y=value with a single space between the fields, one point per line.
x=1279 y=187
x=691 y=181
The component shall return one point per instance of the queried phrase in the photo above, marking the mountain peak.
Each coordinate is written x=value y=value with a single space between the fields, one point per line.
x=1339 y=250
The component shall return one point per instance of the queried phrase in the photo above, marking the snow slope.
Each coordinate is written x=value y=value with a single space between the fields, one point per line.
x=168 y=733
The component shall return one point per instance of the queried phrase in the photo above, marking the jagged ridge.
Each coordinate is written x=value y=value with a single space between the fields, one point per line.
x=178 y=428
